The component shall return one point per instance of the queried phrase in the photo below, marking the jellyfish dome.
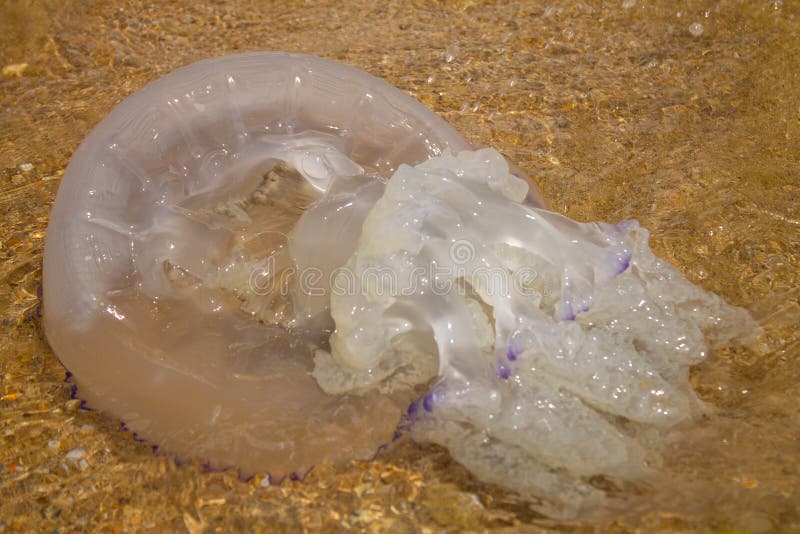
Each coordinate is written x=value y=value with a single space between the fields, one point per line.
x=160 y=243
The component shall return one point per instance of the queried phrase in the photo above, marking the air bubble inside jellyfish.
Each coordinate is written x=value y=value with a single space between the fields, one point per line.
x=272 y=261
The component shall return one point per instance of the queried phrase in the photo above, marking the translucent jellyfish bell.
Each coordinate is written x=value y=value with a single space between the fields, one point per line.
x=166 y=275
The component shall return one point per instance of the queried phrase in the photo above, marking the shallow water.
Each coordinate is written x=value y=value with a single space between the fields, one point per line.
x=685 y=117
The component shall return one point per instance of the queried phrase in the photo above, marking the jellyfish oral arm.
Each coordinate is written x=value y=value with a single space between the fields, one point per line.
x=562 y=347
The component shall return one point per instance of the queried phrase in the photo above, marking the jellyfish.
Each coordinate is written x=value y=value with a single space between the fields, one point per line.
x=270 y=261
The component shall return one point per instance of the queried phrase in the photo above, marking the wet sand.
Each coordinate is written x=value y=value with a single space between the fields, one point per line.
x=683 y=115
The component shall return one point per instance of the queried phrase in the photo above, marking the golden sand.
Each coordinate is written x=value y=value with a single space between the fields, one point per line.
x=683 y=115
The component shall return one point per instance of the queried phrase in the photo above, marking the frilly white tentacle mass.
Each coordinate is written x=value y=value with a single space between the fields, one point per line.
x=242 y=267
x=553 y=347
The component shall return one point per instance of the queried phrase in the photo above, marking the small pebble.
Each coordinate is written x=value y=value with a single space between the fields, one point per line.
x=26 y=167
x=265 y=482
x=72 y=405
x=15 y=69
x=51 y=512
x=54 y=444
x=696 y=29
x=451 y=53
x=75 y=454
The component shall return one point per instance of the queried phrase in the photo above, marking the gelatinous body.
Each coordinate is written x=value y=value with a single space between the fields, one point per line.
x=165 y=211
x=271 y=261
